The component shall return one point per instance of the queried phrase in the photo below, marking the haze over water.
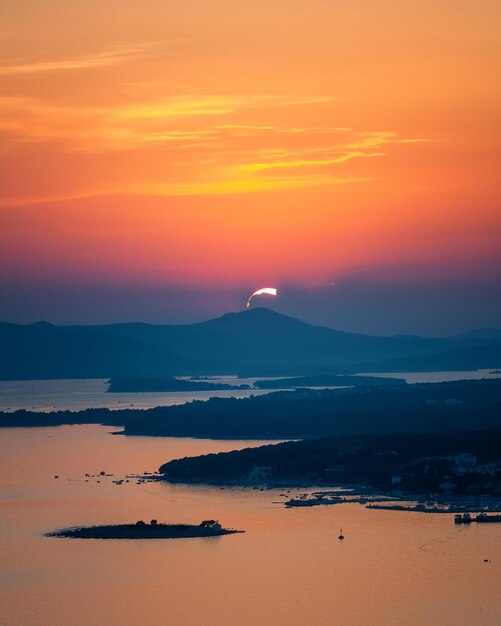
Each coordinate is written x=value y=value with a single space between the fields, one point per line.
x=287 y=569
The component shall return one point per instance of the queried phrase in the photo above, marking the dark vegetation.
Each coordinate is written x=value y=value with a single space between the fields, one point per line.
x=328 y=381
x=312 y=413
x=169 y=383
x=23 y=418
x=301 y=413
x=420 y=461
x=257 y=342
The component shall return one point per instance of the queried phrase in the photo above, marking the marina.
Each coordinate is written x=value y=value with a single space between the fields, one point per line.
x=481 y=518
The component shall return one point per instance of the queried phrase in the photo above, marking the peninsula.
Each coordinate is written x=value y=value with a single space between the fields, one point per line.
x=455 y=462
x=327 y=380
x=302 y=413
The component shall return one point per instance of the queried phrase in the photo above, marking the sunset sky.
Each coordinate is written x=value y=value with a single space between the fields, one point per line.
x=159 y=161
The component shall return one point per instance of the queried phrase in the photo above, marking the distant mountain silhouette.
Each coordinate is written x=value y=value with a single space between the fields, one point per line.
x=255 y=342
x=459 y=359
x=482 y=333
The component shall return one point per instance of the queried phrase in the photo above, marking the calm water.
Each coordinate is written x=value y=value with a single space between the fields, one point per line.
x=287 y=569
x=77 y=394
x=50 y=395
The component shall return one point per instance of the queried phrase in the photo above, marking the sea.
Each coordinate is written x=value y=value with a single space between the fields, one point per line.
x=288 y=568
x=78 y=394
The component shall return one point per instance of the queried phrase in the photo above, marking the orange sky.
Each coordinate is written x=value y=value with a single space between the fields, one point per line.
x=205 y=141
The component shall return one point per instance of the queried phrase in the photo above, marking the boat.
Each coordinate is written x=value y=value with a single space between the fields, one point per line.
x=483 y=518
x=312 y=501
x=142 y=530
x=463 y=519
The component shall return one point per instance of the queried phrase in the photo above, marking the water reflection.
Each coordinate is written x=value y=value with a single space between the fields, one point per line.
x=288 y=568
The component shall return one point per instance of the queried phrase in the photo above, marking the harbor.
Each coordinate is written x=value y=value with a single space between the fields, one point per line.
x=481 y=518
x=488 y=508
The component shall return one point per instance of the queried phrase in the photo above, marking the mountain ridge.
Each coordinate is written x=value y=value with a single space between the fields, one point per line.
x=257 y=342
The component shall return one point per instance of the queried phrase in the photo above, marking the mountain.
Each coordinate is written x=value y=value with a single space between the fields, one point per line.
x=460 y=359
x=256 y=342
x=483 y=333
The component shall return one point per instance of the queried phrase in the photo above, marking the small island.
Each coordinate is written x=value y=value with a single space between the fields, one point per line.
x=165 y=384
x=142 y=530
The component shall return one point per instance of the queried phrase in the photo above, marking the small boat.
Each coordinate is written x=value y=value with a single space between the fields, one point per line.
x=341 y=536
x=463 y=519
x=483 y=518
x=303 y=501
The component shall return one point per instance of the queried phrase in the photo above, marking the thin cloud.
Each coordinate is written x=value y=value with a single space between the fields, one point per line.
x=124 y=127
x=236 y=185
x=200 y=105
x=379 y=138
x=341 y=158
x=228 y=157
x=112 y=56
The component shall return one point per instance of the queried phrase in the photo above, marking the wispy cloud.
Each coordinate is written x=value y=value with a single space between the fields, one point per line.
x=115 y=54
x=237 y=184
x=185 y=106
x=124 y=127
x=200 y=105
x=342 y=157
x=379 y=138
x=202 y=155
